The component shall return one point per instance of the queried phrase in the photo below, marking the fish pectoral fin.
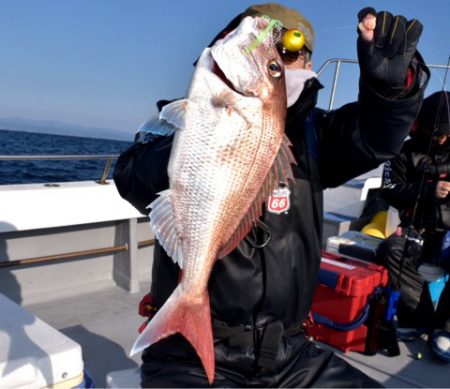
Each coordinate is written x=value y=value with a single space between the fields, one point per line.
x=174 y=113
x=229 y=101
x=191 y=318
x=224 y=99
x=163 y=225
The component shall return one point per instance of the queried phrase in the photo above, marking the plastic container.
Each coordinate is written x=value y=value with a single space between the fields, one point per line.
x=34 y=354
x=354 y=244
x=342 y=296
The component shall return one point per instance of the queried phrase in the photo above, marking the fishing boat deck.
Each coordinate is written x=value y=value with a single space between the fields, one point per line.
x=105 y=324
x=81 y=299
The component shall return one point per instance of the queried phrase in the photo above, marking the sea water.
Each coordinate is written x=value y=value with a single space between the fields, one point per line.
x=29 y=143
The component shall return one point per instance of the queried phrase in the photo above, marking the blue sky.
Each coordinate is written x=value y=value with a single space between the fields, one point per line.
x=105 y=63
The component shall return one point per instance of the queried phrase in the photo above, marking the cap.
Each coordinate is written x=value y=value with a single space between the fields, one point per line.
x=291 y=19
x=435 y=111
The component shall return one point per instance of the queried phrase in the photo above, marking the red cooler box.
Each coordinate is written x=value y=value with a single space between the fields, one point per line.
x=341 y=301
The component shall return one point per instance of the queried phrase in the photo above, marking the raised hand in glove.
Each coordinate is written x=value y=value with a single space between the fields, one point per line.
x=386 y=47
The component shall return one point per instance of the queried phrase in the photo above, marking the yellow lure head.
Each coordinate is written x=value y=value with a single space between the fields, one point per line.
x=293 y=40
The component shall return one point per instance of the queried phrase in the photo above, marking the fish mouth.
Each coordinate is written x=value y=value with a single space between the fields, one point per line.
x=217 y=71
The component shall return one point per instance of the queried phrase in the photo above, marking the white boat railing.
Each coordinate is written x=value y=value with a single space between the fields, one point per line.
x=337 y=70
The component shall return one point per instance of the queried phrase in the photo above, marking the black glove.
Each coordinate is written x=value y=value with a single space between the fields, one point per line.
x=384 y=62
x=443 y=170
x=433 y=170
x=436 y=171
x=429 y=169
x=426 y=166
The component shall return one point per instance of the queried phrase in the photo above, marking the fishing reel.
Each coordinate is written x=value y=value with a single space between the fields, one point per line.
x=414 y=243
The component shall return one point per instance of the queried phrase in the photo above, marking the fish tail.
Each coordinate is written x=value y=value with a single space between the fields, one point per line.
x=180 y=315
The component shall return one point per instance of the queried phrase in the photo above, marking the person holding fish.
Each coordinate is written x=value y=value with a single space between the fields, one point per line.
x=233 y=175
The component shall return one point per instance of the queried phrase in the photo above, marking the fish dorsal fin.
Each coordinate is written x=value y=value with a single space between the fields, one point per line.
x=162 y=223
x=174 y=113
x=285 y=159
x=280 y=172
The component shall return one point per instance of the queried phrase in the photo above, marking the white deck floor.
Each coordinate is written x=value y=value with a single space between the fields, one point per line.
x=105 y=324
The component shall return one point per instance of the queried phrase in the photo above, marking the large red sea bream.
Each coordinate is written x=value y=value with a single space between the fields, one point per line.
x=229 y=153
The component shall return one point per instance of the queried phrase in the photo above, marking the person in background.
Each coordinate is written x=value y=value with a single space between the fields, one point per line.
x=417 y=184
x=261 y=293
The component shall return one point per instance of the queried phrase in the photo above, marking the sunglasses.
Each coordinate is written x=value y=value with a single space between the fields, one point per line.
x=292 y=56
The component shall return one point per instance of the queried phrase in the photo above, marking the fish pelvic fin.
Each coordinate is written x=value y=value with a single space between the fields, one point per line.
x=187 y=316
x=162 y=223
x=156 y=127
x=174 y=113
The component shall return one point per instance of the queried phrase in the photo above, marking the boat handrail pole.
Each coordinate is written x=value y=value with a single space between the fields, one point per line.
x=61 y=157
x=334 y=87
x=73 y=254
x=106 y=170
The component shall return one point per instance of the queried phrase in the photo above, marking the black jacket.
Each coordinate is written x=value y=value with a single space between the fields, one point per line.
x=252 y=287
x=402 y=181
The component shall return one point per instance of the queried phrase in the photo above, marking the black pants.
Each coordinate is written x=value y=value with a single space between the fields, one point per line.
x=300 y=363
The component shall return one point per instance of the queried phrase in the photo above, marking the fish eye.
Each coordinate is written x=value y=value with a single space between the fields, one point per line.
x=275 y=69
